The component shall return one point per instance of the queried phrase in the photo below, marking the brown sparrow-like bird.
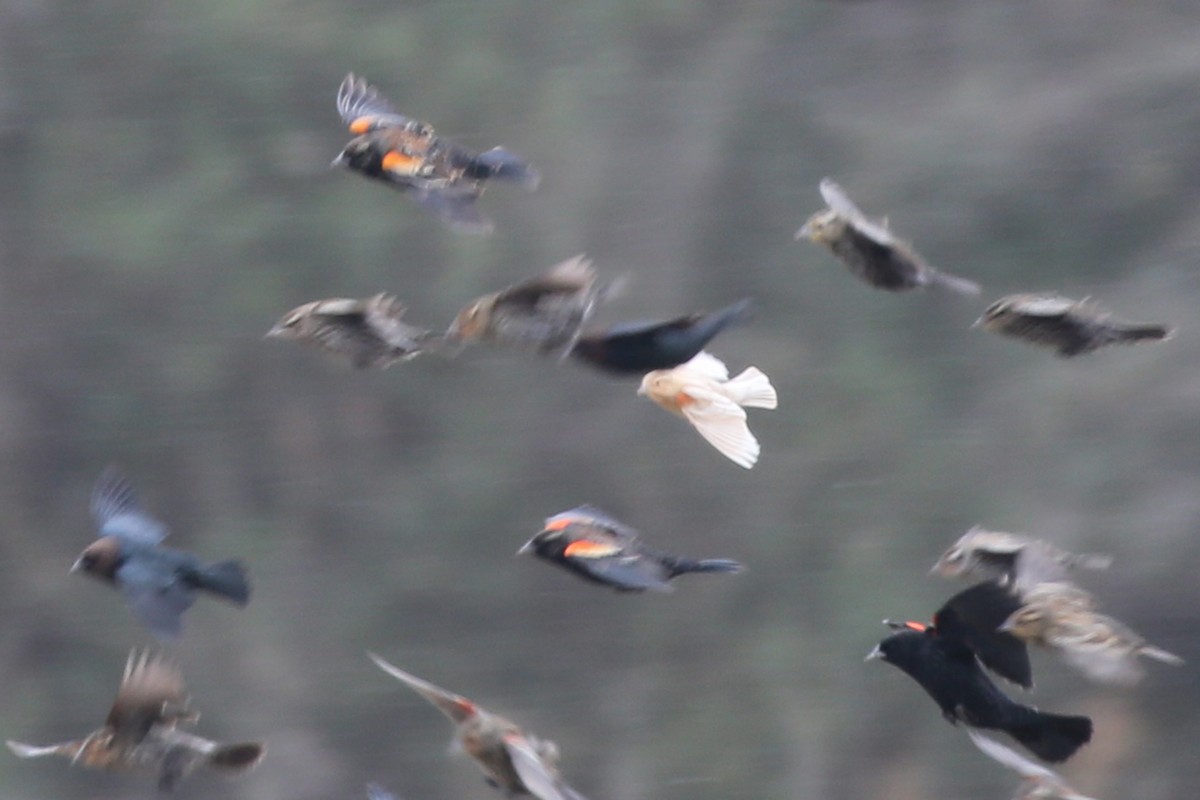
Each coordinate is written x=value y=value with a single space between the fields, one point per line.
x=702 y=392
x=1011 y=559
x=513 y=761
x=141 y=733
x=1063 y=617
x=367 y=333
x=869 y=249
x=544 y=313
x=1070 y=327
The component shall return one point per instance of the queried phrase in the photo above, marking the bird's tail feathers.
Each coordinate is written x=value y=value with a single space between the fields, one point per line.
x=680 y=566
x=237 y=757
x=1158 y=654
x=954 y=283
x=1053 y=737
x=753 y=389
x=22 y=750
x=1138 y=333
x=227 y=579
x=504 y=165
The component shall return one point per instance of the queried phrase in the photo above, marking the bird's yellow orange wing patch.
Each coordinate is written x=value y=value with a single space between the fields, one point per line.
x=401 y=163
x=585 y=548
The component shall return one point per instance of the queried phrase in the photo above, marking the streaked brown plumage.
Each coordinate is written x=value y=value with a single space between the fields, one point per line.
x=1037 y=782
x=367 y=333
x=441 y=176
x=513 y=761
x=544 y=313
x=1011 y=559
x=141 y=733
x=1063 y=617
x=869 y=249
x=1069 y=327
x=702 y=392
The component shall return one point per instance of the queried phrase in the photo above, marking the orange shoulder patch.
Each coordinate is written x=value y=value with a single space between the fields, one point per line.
x=361 y=125
x=401 y=163
x=589 y=549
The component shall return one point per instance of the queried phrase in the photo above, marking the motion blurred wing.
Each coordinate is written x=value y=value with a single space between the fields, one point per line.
x=117 y=512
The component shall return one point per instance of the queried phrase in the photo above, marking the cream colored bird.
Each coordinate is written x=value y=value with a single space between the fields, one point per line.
x=702 y=392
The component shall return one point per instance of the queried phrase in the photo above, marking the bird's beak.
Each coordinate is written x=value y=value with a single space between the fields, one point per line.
x=804 y=232
x=874 y=654
x=341 y=160
x=977 y=323
x=77 y=566
x=1006 y=626
x=274 y=332
x=526 y=548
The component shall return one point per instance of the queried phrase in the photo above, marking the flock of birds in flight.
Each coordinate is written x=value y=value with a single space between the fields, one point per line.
x=1023 y=594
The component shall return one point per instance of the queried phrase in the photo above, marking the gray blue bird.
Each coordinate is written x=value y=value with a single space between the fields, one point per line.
x=158 y=583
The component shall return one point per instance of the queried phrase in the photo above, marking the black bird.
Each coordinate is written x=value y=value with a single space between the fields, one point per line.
x=158 y=583
x=640 y=347
x=870 y=251
x=600 y=549
x=949 y=672
x=1070 y=327
x=441 y=176
x=974 y=615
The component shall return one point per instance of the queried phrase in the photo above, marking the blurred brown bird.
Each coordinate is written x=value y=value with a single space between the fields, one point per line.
x=544 y=313
x=367 y=333
x=1011 y=559
x=702 y=392
x=1037 y=782
x=1070 y=327
x=514 y=762
x=141 y=732
x=441 y=176
x=1063 y=617
x=870 y=250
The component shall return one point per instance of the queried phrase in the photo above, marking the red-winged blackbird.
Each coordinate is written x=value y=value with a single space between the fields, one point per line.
x=544 y=313
x=702 y=392
x=141 y=732
x=158 y=583
x=1038 y=783
x=440 y=175
x=1011 y=559
x=512 y=761
x=870 y=250
x=600 y=549
x=368 y=333
x=949 y=672
x=640 y=347
x=1063 y=617
x=974 y=616
x=1070 y=327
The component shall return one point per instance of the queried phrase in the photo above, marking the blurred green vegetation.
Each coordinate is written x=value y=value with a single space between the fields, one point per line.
x=164 y=198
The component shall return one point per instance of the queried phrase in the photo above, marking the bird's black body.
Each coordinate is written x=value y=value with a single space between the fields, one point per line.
x=638 y=348
x=948 y=671
x=973 y=615
x=602 y=550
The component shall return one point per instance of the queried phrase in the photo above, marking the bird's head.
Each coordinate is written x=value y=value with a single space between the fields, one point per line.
x=823 y=227
x=101 y=558
x=291 y=324
x=360 y=154
x=1027 y=623
x=471 y=323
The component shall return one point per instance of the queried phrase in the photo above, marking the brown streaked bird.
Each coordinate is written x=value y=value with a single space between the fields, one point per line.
x=513 y=761
x=600 y=549
x=141 y=733
x=1069 y=327
x=544 y=313
x=1063 y=617
x=702 y=392
x=870 y=250
x=1037 y=782
x=1011 y=559
x=369 y=333
x=441 y=176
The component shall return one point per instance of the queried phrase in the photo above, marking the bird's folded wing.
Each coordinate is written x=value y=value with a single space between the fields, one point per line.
x=539 y=779
x=722 y=423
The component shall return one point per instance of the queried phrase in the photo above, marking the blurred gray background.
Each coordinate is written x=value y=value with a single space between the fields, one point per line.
x=165 y=197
